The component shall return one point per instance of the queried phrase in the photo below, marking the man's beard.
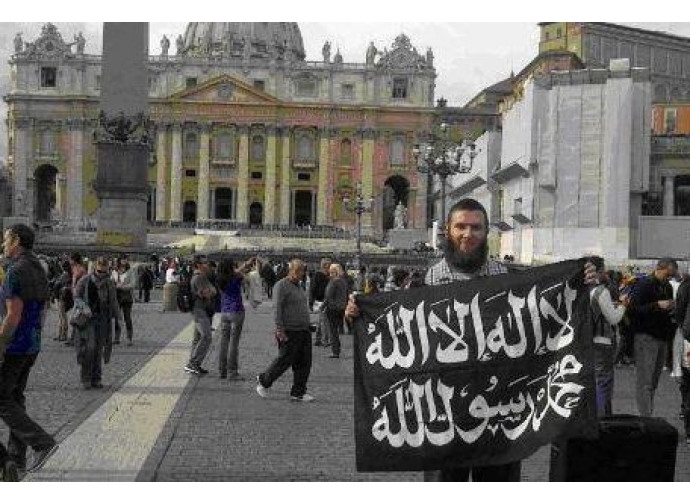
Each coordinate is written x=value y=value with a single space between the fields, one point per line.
x=467 y=262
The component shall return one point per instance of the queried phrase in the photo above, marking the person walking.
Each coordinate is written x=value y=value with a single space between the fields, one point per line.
x=316 y=298
x=292 y=335
x=651 y=303
x=145 y=283
x=78 y=270
x=25 y=294
x=230 y=280
x=65 y=300
x=124 y=280
x=335 y=300
x=466 y=257
x=97 y=290
x=203 y=293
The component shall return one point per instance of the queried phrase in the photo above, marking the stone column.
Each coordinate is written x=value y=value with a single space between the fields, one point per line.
x=74 y=199
x=162 y=173
x=60 y=199
x=669 y=203
x=243 y=177
x=285 y=202
x=368 y=138
x=23 y=153
x=270 y=186
x=204 y=173
x=322 y=210
x=176 y=175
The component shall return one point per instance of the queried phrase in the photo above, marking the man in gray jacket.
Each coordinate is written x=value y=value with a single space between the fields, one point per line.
x=335 y=301
x=203 y=293
x=292 y=334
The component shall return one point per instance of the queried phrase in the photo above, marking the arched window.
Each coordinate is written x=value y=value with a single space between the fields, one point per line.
x=224 y=146
x=258 y=148
x=191 y=147
x=397 y=151
x=346 y=152
x=305 y=149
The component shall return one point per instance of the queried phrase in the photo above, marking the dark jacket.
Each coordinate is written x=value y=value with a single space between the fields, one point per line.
x=647 y=316
x=318 y=287
x=336 y=295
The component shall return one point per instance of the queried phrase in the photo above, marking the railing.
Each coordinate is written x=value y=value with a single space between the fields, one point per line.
x=671 y=145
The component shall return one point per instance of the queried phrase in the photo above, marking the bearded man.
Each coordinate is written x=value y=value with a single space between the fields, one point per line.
x=466 y=257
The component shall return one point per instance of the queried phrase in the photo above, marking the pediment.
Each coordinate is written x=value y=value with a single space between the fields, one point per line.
x=225 y=89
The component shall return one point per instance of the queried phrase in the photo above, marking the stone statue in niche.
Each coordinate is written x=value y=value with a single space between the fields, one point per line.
x=400 y=216
x=179 y=42
x=430 y=57
x=165 y=45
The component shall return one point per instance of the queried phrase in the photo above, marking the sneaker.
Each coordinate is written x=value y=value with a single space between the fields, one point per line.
x=302 y=398
x=202 y=370
x=192 y=369
x=41 y=456
x=260 y=389
x=10 y=472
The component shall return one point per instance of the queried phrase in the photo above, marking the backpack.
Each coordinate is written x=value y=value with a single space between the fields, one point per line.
x=185 y=299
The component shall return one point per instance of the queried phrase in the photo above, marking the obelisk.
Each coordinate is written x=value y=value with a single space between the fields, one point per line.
x=122 y=138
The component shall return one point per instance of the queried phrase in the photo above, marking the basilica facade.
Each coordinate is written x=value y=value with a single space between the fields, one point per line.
x=244 y=128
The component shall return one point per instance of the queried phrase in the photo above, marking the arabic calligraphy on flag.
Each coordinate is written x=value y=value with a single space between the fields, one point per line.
x=480 y=372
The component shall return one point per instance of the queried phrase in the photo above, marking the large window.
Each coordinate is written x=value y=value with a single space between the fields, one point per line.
x=347 y=91
x=191 y=148
x=305 y=148
x=190 y=82
x=670 y=121
x=258 y=148
x=48 y=77
x=223 y=146
x=400 y=87
x=397 y=151
x=305 y=87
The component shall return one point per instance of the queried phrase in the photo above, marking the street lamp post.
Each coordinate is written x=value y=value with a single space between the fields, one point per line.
x=442 y=156
x=359 y=206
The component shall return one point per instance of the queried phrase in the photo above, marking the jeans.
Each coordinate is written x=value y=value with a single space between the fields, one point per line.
x=127 y=315
x=294 y=352
x=94 y=339
x=63 y=326
x=14 y=373
x=335 y=324
x=202 y=337
x=603 y=373
x=503 y=472
x=230 y=331
x=650 y=356
x=323 y=330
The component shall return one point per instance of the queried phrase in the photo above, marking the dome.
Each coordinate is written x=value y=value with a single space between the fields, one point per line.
x=264 y=38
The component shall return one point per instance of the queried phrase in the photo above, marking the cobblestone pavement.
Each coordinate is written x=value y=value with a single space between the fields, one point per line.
x=223 y=431
x=55 y=398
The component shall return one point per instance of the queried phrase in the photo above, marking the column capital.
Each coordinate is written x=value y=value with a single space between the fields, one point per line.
x=271 y=129
x=243 y=129
x=283 y=129
x=77 y=123
x=176 y=127
x=205 y=128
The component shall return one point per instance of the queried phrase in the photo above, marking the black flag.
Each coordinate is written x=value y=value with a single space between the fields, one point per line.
x=480 y=372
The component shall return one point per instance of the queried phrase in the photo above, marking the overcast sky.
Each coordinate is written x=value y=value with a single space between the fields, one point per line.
x=469 y=56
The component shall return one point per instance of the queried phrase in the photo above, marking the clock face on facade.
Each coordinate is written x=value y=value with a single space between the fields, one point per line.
x=49 y=46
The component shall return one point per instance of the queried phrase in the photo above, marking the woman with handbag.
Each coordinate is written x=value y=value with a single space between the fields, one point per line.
x=97 y=292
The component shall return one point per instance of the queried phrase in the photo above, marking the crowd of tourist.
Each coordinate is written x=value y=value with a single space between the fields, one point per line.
x=637 y=319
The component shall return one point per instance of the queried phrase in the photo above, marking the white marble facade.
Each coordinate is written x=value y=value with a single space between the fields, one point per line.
x=574 y=160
